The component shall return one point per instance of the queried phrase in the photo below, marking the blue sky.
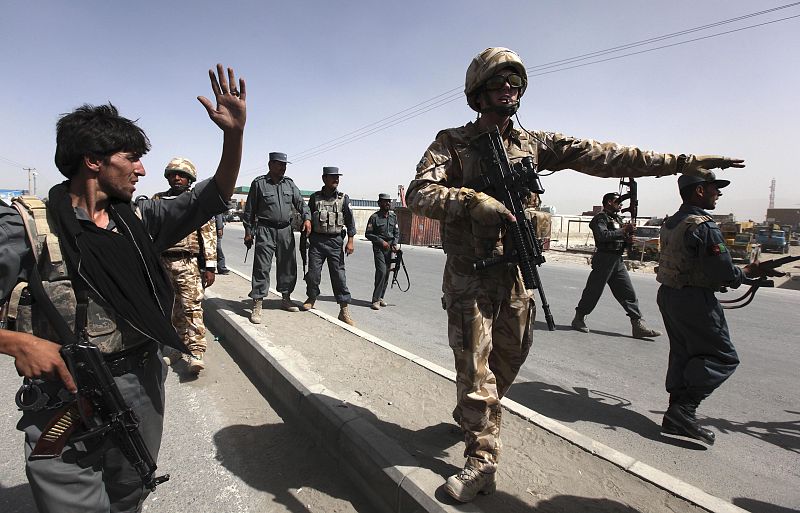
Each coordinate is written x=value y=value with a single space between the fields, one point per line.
x=319 y=70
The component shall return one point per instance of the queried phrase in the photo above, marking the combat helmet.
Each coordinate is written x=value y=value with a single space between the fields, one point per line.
x=486 y=64
x=181 y=165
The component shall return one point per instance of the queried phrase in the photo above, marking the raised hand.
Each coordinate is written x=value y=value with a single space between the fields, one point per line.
x=230 y=112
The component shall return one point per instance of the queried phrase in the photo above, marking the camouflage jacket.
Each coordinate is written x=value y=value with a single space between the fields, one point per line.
x=450 y=161
x=207 y=240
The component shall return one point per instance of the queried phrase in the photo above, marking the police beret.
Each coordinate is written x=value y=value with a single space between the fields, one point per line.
x=690 y=180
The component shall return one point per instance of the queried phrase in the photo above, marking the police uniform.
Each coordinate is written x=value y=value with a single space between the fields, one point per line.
x=94 y=476
x=608 y=268
x=694 y=264
x=331 y=217
x=382 y=228
x=267 y=218
x=185 y=261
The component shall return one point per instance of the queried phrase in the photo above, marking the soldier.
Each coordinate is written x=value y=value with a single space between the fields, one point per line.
x=95 y=240
x=331 y=217
x=267 y=220
x=610 y=236
x=384 y=233
x=490 y=313
x=191 y=264
x=693 y=264
x=219 y=224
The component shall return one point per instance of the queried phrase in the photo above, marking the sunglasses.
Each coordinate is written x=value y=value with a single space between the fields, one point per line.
x=499 y=81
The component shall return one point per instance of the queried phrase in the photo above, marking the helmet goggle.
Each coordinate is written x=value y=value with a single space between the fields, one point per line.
x=499 y=81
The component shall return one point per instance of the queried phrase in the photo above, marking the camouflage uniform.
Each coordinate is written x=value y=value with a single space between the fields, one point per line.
x=491 y=314
x=183 y=262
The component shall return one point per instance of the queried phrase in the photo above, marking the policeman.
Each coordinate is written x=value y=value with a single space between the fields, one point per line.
x=610 y=236
x=267 y=220
x=191 y=264
x=693 y=264
x=219 y=223
x=93 y=240
x=490 y=313
x=331 y=217
x=384 y=233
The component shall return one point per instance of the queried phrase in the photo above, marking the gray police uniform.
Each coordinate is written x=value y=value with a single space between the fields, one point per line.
x=608 y=268
x=382 y=228
x=94 y=476
x=694 y=263
x=330 y=217
x=267 y=217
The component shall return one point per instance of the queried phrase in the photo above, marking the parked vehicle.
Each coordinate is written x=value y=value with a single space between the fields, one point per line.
x=744 y=247
x=646 y=243
x=772 y=239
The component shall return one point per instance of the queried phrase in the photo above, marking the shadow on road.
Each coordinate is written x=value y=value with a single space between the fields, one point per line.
x=784 y=434
x=17 y=499
x=591 y=406
x=762 y=507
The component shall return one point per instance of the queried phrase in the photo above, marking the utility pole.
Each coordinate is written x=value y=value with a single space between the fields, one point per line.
x=31 y=180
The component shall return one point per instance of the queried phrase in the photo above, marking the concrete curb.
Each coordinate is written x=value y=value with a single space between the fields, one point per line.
x=370 y=458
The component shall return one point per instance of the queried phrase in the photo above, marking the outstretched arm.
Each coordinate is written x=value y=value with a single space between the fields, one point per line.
x=229 y=115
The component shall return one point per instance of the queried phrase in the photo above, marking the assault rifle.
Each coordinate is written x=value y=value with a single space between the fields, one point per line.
x=304 y=251
x=99 y=403
x=629 y=191
x=756 y=283
x=512 y=185
x=395 y=263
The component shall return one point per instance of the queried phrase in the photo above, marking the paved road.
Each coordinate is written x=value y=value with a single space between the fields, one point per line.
x=610 y=386
x=226 y=449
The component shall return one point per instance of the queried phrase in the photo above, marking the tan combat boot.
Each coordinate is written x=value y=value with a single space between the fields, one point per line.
x=286 y=304
x=344 y=314
x=309 y=304
x=171 y=356
x=376 y=305
x=196 y=362
x=255 y=315
x=468 y=483
x=383 y=303
x=641 y=330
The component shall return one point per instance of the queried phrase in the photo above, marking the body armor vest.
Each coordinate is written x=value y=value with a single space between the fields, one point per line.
x=328 y=218
x=676 y=267
x=103 y=329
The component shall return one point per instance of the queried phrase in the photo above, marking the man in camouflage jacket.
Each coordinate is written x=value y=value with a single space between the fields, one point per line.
x=191 y=264
x=490 y=313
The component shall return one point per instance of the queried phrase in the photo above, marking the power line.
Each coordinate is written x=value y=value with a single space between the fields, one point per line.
x=552 y=67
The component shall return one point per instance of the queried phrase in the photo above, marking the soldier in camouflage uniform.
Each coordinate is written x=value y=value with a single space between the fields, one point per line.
x=384 y=233
x=490 y=313
x=90 y=222
x=191 y=264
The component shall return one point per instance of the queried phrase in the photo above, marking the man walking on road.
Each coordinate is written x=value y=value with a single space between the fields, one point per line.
x=191 y=264
x=694 y=263
x=267 y=221
x=384 y=233
x=331 y=219
x=610 y=238
x=490 y=313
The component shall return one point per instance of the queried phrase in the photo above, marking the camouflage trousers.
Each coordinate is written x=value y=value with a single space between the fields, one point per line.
x=490 y=321
x=187 y=311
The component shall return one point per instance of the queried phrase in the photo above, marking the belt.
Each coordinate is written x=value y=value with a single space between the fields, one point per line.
x=130 y=359
x=179 y=254
x=273 y=224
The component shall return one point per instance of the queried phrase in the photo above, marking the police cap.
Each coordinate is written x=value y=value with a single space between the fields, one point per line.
x=330 y=170
x=278 y=157
x=383 y=196
x=690 y=180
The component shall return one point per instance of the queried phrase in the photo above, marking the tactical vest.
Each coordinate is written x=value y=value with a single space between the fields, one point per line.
x=616 y=245
x=676 y=267
x=103 y=329
x=328 y=218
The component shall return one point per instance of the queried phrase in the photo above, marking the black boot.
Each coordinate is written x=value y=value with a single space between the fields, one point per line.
x=680 y=420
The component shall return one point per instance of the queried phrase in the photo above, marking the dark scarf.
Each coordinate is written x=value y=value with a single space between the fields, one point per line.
x=111 y=264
